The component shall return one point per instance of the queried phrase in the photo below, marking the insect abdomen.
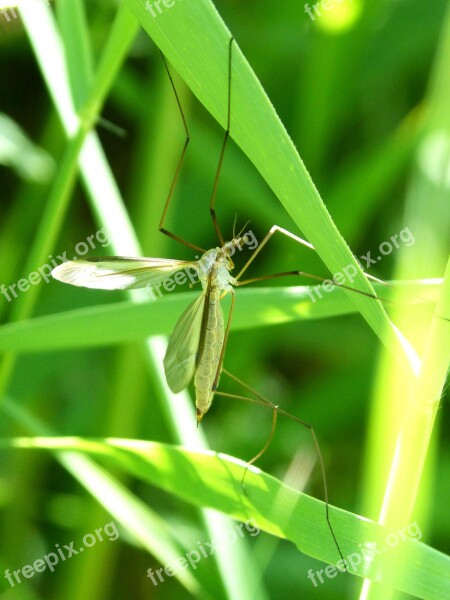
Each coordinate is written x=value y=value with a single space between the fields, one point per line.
x=209 y=360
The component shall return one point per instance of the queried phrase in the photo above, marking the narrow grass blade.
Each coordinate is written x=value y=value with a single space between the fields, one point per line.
x=195 y=40
x=120 y=322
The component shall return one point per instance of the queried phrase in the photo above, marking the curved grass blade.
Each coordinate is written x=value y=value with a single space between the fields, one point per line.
x=195 y=40
x=209 y=479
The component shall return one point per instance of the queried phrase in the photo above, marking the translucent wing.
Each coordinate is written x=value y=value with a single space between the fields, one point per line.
x=181 y=354
x=119 y=272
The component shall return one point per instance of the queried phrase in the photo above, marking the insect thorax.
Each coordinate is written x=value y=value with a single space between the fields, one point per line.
x=217 y=262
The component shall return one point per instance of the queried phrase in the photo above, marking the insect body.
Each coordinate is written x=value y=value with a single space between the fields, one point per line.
x=196 y=346
x=209 y=359
x=202 y=322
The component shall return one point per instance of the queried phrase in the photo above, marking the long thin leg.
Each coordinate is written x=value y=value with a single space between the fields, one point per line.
x=290 y=235
x=261 y=400
x=265 y=447
x=266 y=238
x=300 y=240
x=222 y=153
x=317 y=278
x=341 y=285
x=162 y=229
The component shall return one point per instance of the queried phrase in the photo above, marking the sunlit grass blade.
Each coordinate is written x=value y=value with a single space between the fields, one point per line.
x=146 y=528
x=401 y=441
x=202 y=62
x=18 y=152
x=211 y=479
x=127 y=321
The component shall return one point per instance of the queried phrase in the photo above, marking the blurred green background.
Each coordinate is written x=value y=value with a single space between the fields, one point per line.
x=350 y=88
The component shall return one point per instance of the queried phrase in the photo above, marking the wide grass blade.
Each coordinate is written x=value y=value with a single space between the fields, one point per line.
x=209 y=479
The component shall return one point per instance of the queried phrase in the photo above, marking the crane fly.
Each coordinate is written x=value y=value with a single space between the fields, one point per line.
x=197 y=345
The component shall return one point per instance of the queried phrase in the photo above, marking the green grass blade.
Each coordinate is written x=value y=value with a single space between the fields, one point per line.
x=74 y=34
x=45 y=41
x=18 y=152
x=147 y=528
x=211 y=479
x=121 y=322
x=403 y=417
x=195 y=40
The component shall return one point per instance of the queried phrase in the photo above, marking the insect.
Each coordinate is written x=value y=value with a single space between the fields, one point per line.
x=197 y=345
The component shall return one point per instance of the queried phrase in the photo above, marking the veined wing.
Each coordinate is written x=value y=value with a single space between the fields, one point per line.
x=119 y=272
x=181 y=355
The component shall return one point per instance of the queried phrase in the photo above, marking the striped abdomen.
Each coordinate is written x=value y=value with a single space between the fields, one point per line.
x=209 y=360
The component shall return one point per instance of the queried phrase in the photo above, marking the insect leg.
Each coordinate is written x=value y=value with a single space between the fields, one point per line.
x=261 y=400
x=290 y=235
x=266 y=238
x=162 y=229
x=212 y=202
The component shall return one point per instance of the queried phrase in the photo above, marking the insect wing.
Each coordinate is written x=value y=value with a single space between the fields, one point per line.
x=181 y=354
x=119 y=272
